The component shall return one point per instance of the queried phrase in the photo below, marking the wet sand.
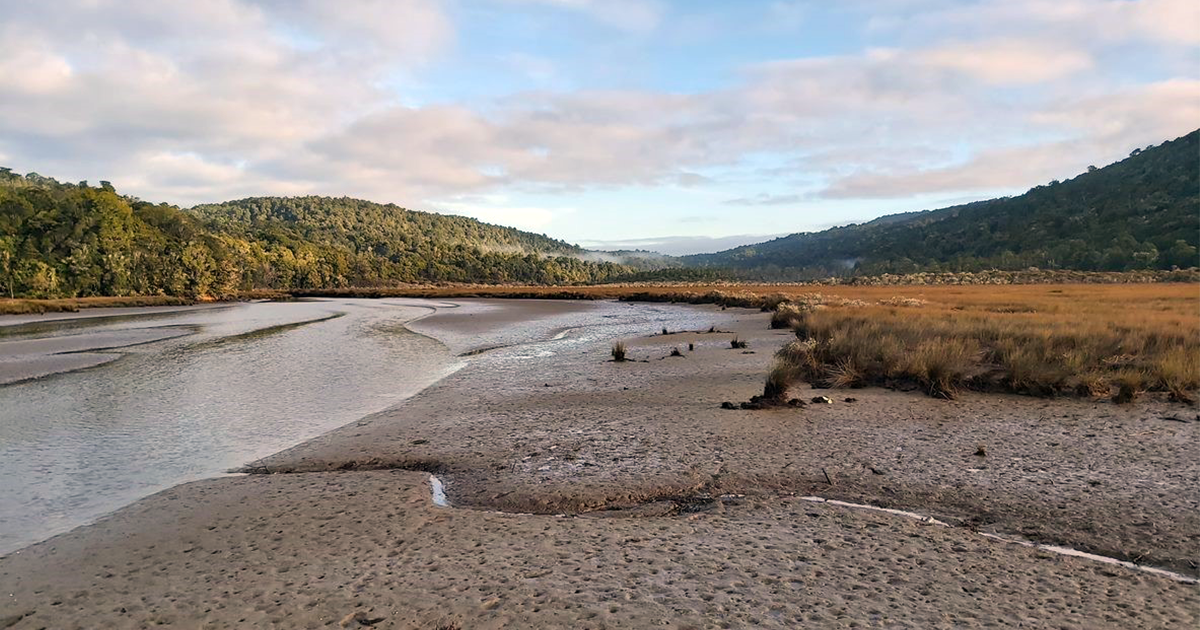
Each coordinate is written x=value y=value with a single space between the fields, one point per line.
x=106 y=313
x=623 y=466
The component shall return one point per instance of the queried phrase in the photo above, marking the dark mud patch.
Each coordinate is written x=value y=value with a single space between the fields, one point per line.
x=484 y=349
x=415 y=464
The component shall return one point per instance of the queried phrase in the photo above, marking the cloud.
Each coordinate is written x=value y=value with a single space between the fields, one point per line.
x=1165 y=22
x=1107 y=128
x=681 y=245
x=1007 y=61
x=496 y=209
x=764 y=199
x=408 y=29
x=192 y=102
x=628 y=15
x=106 y=89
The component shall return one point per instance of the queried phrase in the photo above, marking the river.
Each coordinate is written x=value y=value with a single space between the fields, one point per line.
x=96 y=413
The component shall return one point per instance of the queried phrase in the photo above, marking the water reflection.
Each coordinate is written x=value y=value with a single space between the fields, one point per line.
x=242 y=383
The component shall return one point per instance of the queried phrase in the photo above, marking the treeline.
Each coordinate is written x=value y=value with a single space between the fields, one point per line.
x=76 y=240
x=1140 y=213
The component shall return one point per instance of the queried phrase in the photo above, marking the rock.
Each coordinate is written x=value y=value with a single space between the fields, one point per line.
x=851 y=400
x=796 y=402
x=417 y=442
x=752 y=405
x=728 y=405
x=822 y=400
x=491 y=604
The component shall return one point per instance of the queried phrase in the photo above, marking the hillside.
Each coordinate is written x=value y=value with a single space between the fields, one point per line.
x=76 y=240
x=1140 y=213
x=367 y=227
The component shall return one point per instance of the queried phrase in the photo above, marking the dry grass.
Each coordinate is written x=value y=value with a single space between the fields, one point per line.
x=1083 y=339
x=71 y=305
x=618 y=351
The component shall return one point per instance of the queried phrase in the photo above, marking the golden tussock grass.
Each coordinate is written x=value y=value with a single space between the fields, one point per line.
x=71 y=305
x=1085 y=339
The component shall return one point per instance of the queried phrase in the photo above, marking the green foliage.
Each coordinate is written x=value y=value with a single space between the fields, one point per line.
x=68 y=240
x=1139 y=213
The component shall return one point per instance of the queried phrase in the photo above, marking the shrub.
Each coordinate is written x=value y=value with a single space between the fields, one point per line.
x=737 y=344
x=941 y=365
x=781 y=377
x=1178 y=371
x=618 y=351
x=787 y=315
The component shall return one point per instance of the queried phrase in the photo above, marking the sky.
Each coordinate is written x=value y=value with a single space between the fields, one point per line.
x=682 y=127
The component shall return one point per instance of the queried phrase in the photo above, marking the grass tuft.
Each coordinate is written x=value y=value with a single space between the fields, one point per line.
x=618 y=351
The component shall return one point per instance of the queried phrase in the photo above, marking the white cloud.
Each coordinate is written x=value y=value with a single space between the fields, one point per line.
x=495 y=209
x=190 y=102
x=628 y=15
x=681 y=245
x=1107 y=128
x=1007 y=61
x=1173 y=22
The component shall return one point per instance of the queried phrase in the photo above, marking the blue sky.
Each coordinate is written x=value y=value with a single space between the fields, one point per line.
x=678 y=126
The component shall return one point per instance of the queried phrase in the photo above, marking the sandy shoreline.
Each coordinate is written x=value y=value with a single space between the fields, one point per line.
x=573 y=433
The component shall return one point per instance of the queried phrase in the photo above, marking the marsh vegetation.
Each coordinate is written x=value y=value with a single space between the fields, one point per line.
x=1116 y=341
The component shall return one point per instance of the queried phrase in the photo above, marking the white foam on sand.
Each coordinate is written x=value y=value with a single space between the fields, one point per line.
x=439 y=492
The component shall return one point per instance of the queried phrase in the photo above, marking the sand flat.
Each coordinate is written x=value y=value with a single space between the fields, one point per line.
x=346 y=530
x=310 y=550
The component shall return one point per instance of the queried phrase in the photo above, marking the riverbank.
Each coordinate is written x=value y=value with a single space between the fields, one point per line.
x=620 y=464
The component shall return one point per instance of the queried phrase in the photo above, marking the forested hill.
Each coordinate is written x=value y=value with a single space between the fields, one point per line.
x=70 y=240
x=364 y=226
x=1140 y=213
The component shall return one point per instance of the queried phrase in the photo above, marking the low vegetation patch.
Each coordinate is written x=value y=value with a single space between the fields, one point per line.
x=618 y=351
x=72 y=305
x=1119 y=342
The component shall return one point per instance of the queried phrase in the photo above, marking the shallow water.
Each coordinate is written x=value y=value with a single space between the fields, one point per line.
x=188 y=396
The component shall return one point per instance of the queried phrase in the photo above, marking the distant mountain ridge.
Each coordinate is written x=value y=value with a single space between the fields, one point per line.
x=1142 y=212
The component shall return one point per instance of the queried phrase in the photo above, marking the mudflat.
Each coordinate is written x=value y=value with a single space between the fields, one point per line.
x=589 y=493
